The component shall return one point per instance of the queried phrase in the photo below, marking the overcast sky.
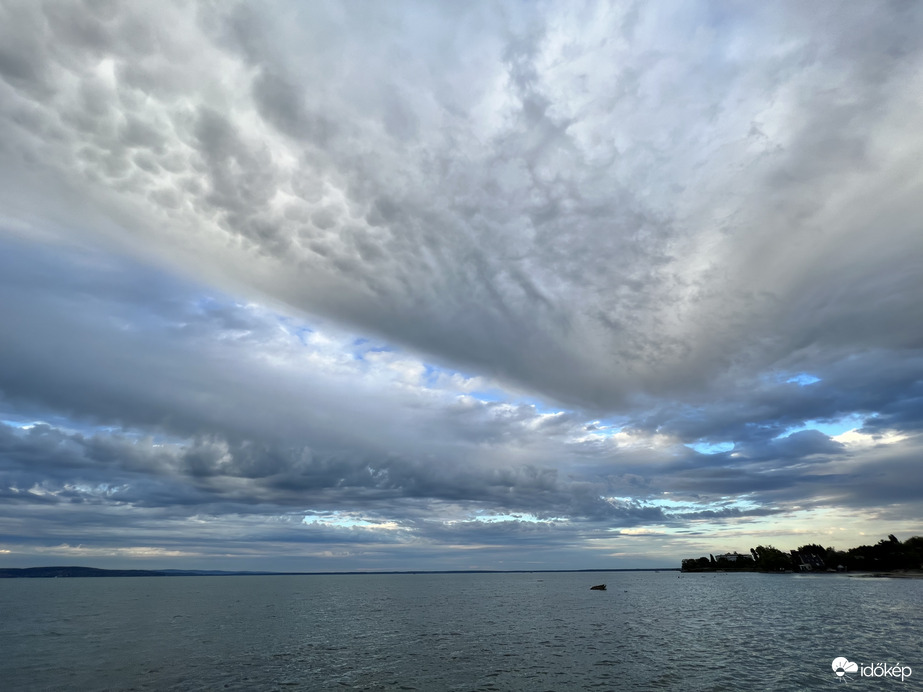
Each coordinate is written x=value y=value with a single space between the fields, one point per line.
x=451 y=285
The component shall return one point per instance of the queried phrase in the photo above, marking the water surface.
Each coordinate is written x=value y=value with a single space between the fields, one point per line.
x=648 y=631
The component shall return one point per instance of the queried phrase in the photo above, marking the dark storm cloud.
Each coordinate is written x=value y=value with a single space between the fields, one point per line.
x=175 y=367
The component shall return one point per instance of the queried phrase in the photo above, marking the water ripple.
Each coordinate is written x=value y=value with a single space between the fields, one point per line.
x=452 y=632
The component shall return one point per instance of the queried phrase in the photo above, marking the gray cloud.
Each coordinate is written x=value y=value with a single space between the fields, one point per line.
x=416 y=262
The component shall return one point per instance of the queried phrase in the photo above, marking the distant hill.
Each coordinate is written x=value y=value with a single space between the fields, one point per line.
x=72 y=571
x=39 y=572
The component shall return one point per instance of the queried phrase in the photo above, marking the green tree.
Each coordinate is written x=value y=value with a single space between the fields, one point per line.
x=813 y=549
x=772 y=559
x=833 y=558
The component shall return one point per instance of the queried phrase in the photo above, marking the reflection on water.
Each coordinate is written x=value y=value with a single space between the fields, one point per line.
x=453 y=631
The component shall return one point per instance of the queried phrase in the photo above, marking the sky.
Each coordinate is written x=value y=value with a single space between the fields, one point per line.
x=325 y=286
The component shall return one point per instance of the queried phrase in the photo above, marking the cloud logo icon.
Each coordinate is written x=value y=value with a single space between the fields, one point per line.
x=841 y=666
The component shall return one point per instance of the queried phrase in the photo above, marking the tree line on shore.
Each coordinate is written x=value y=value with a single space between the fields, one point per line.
x=885 y=556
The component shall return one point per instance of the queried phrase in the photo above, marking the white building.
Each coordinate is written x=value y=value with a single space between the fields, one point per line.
x=730 y=557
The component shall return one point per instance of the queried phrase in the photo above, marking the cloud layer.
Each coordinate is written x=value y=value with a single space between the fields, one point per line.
x=365 y=286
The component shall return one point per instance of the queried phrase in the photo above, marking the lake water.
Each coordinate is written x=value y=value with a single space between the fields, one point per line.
x=648 y=631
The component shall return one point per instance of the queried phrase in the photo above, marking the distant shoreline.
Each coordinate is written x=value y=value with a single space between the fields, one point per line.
x=72 y=572
x=897 y=574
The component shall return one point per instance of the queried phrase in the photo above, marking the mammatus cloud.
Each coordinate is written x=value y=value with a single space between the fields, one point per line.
x=472 y=275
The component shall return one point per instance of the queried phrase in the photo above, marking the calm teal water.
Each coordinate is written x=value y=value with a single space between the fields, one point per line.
x=649 y=631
